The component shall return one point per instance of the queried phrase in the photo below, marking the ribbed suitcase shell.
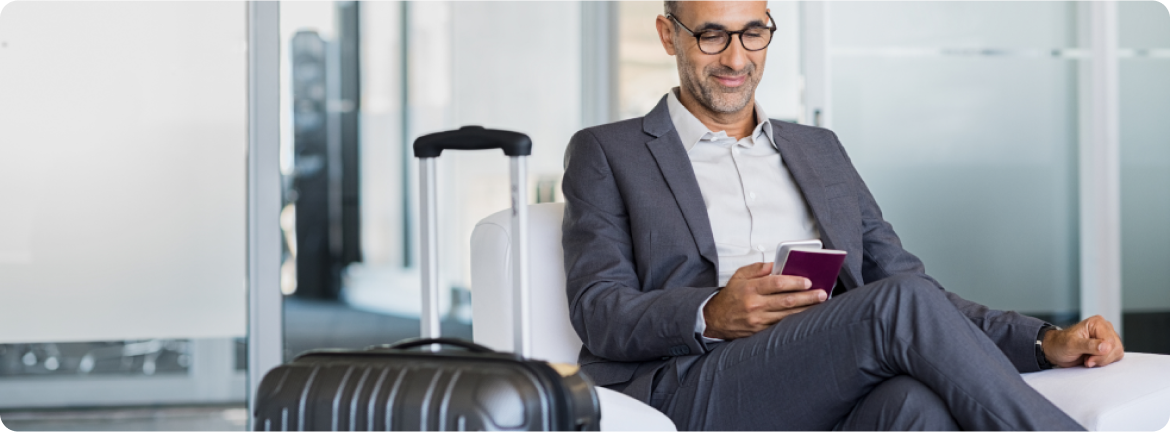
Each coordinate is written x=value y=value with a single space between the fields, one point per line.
x=387 y=389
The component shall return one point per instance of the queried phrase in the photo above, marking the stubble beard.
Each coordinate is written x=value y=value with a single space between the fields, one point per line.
x=714 y=96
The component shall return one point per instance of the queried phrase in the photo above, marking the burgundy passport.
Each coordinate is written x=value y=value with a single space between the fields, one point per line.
x=820 y=266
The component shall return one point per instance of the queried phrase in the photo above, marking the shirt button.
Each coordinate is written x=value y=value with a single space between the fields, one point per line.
x=752 y=195
x=735 y=151
x=760 y=248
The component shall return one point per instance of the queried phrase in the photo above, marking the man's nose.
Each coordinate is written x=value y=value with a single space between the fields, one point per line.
x=735 y=56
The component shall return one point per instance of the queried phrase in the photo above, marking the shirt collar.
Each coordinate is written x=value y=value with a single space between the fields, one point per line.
x=691 y=130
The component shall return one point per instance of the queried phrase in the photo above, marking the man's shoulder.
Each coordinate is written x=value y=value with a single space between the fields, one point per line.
x=608 y=141
x=802 y=133
x=619 y=130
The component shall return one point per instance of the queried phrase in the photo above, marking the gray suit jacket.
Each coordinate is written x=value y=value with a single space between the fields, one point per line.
x=640 y=256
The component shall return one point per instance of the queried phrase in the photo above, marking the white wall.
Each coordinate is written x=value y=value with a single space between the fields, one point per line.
x=122 y=170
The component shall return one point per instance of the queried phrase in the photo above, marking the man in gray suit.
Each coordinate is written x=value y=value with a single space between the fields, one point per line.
x=670 y=222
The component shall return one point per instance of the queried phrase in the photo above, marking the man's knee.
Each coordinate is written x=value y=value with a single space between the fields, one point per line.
x=906 y=392
x=910 y=289
x=900 y=403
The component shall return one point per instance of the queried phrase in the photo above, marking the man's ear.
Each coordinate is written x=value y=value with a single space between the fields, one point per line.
x=665 y=33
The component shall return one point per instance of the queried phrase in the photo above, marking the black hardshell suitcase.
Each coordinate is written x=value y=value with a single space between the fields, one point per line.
x=420 y=384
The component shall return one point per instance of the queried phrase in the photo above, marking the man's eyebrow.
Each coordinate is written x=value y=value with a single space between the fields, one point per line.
x=716 y=26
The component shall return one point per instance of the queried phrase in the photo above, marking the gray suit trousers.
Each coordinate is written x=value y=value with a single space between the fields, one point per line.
x=893 y=354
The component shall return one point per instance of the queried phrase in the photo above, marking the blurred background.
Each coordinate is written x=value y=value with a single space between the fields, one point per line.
x=124 y=168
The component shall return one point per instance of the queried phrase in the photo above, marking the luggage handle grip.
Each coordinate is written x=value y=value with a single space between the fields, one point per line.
x=417 y=342
x=473 y=138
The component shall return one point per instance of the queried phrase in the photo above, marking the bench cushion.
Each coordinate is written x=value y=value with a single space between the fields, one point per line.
x=1132 y=394
x=623 y=413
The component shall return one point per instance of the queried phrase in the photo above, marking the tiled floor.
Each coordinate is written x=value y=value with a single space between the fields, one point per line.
x=223 y=418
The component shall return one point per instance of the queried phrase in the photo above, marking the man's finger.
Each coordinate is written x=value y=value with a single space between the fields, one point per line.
x=793 y=300
x=1090 y=346
x=1095 y=357
x=1097 y=361
x=1112 y=351
x=775 y=284
x=752 y=271
x=1093 y=360
x=776 y=316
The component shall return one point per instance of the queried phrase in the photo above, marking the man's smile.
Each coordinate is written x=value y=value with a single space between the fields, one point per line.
x=734 y=81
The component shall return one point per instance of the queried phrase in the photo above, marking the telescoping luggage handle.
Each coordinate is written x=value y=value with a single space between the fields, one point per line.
x=518 y=147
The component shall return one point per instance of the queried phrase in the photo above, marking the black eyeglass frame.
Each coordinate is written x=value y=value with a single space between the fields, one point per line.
x=771 y=33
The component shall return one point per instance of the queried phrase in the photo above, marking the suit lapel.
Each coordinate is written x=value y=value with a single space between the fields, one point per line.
x=812 y=186
x=807 y=179
x=675 y=165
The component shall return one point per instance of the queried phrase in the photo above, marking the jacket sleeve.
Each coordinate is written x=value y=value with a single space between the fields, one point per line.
x=1013 y=333
x=614 y=315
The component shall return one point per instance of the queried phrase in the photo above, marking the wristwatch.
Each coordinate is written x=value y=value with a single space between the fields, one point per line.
x=1042 y=359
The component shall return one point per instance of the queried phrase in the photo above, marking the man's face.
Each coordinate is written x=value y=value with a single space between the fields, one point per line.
x=723 y=82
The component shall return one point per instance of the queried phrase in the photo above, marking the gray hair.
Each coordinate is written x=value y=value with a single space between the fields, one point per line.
x=671 y=7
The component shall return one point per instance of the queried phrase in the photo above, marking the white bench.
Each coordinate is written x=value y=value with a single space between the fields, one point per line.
x=1133 y=394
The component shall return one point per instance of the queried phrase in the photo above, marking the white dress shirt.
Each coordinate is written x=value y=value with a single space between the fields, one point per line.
x=752 y=201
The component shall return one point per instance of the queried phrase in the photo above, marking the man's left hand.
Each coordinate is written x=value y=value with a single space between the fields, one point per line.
x=1091 y=342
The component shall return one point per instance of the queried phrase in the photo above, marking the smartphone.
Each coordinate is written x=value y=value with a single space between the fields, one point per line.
x=784 y=247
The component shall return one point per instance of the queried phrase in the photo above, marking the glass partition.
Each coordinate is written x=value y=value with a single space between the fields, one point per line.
x=1144 y=33
x=123 y=131
x=962 y=119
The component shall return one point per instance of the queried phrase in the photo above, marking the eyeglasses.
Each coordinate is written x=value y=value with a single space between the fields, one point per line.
x=753 y=38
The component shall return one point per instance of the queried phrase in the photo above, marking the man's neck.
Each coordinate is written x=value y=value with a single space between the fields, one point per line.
x=738 y=124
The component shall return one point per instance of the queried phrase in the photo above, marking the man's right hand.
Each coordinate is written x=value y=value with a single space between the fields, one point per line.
x=754 y=299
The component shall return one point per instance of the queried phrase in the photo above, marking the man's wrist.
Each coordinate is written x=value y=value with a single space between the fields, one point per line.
x=1044 y=338
x=701 y=321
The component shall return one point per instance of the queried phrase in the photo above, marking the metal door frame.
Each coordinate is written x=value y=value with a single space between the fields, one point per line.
x=265 y=302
